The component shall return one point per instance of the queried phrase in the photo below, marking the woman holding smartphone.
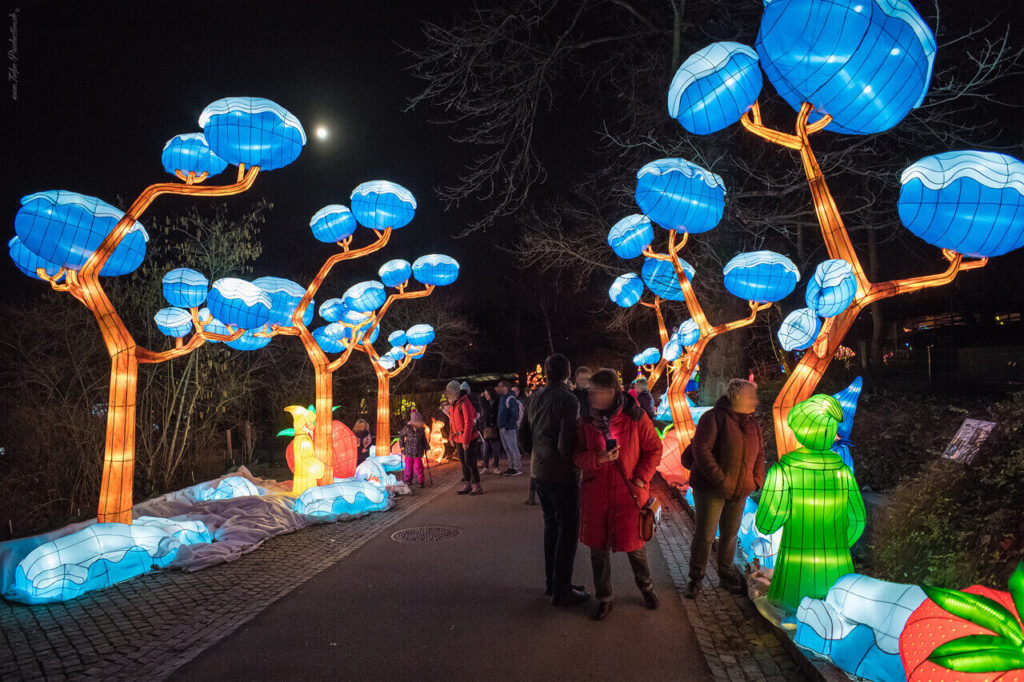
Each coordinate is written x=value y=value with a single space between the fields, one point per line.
x=618 y=451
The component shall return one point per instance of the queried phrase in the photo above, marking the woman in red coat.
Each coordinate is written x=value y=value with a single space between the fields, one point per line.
x=465 y=436
x=616 y=480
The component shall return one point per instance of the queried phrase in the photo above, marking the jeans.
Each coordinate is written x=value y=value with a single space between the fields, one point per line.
x=413 y=465
x=511 y=444
x=470 y=472
x=491 y=447
x=560 y=502
x=714 y=512
x=601 y=562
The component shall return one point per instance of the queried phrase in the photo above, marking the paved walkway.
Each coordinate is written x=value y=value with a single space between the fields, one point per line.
x=346 y=601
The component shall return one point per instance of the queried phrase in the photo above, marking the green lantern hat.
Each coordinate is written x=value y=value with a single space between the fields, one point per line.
x=815 y=421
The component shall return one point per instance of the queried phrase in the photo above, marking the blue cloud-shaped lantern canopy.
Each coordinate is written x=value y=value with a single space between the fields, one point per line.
x=185 y=288
x=398 y=338
x=380 y=204
x=249 y=340
x=969 y=202
x=365 y=297
x=176 y=322
x=631 y=235
x=387 y=362
x=212 y=325
x=714 y=87
x=761 y=276
x=285 y=296
x=28 y=262
x=420 y=335
x=238 y=303
x=333 y=309
x=626 y=290
x=832 y=289
x=395 y=272
x=65 y=228
x=866 y=63
x=333 y=223
x=688 y=333
x=799 y=330
x=648 y=356
x=397 y=352
x=253 y=131
x=417 y=352
x=331 y=338
x=680 y=196
x=436 y=269
x=660 y=277
x=189 y=153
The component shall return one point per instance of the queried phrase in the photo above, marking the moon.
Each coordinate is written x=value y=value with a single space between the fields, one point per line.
x=321 y=133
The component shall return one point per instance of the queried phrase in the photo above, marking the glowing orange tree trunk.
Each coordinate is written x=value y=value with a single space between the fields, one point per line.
x=805 y=377
x=384 y=378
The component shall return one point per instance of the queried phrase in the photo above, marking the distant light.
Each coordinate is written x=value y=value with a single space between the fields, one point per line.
x=321 y=133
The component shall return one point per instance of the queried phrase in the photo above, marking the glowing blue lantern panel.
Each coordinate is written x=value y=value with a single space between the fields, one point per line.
x=714 y=87
x=175 y=322
x=848 y=401
x=189 y=153
x=660 y=277
x=395 y=272
x=648 y=356
x=673 y=350
x=626 y=290
x=397 y=352
x=380 y=204
x=330 y=338
x=435 y=269
x=238 y=303
x=229 y=488
x=285 y=296
x=680 y=196
x=387 y=362
x=420 y=335
x=65 y=228
x=253 y=131
x=417 y=352
x=332 y=309
x=249 y=340
x=212 y=324
x=333 y=223
x=365 y=297
x=833 y=288
x=761 y=276
x=969 y=202
x=688 y=333
x=348 y=496
x=185 y=288
x=397 y=338
x=28 y=262
x=631 y=235
x=866 y=63
x=799 y=329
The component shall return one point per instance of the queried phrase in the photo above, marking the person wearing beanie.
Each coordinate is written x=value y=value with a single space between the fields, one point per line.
x=414 y=444
x=465 y=436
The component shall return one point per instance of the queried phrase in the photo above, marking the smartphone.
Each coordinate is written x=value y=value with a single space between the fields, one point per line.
x=610 y=444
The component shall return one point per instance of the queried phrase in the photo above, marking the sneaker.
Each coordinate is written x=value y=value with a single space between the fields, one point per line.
x=693 y=589
x=506 y=472
x=476 y=489
x=494 y=470
x=516 y=472
x=573 y=598
x=465 y=490
x=575 y=588
x=650 y=599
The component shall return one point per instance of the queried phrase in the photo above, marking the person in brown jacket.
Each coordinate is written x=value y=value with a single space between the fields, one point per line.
x=728 y=465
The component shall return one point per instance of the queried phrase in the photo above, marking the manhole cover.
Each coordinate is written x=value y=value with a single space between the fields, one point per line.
x=425 y=534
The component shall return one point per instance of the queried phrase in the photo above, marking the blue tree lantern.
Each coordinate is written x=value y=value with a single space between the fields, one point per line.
x=626 y=290
x=354 y=318
x=387 y=362
x=714 y=87
x=331 y=338
x=673 y=350
x=332 y=309
x=28 y=262
x=969 y=202
x=417 y=352
x=436 y=269
x=631 y=235
x=212 y=324
x=761 y=276
x=249 y=340
x=688 y=333
x=398 y=338
x=397 y=352
x=175 y=322
x=238 y=303
x=680 y=196
x=396 y=272
x=189 y=153
x=65 y=228
x=185 y=288
x=365 y=297
x=285 y=296
x=253 y=131
x=660 y=277
x=799 y=330
x=866 y=63
x=420 y=335
x=333 y=224
x=648 y=356
x=833 y=288
x=380 y=204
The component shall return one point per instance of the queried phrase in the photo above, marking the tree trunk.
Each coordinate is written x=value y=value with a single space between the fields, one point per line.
x=383 y=413
x=323 y=438
x=119 y=454
x=875 y=309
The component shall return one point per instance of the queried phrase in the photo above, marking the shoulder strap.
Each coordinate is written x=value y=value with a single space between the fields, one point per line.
x=629 y=486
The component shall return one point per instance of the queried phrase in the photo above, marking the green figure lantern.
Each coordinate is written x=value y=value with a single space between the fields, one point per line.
x=813 y=497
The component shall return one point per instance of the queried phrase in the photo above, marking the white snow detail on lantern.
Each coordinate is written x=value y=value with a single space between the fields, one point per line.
x=348 y=496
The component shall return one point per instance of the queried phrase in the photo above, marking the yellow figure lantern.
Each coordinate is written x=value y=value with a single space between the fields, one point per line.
x=307 y=467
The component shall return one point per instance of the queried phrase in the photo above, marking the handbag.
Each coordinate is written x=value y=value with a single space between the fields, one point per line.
x=650 y=511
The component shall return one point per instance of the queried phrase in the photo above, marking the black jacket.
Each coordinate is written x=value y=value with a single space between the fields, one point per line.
x=548 y=433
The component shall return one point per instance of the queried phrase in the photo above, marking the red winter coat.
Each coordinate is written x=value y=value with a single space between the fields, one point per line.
x=463 y=421
x=609 y=517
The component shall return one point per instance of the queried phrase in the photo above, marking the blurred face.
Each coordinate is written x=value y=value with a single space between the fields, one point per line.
x=746 y=401
x=601 y=398
x=583 y=380
x=451 y=395
x=502 y=390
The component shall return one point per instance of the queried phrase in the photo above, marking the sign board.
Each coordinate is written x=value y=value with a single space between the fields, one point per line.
x=968 y=439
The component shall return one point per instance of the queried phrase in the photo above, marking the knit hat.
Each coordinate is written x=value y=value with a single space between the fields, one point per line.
x=415 y=417
x=453 y=386
x=465 y=387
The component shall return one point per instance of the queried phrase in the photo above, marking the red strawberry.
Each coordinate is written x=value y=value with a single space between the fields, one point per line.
x=671 y=468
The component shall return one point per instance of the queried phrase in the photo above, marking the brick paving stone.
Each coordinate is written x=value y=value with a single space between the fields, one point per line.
x=147 y=627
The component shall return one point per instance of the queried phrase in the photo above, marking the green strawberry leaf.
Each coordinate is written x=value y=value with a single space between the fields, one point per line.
x=978 y=654
x=979 y=610
x=661 y=433
x=1016 y=585
x=290 y=431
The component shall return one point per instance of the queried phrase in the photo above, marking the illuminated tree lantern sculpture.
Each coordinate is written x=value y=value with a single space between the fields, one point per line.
x=854 y=67
x=70 y=240
x=812 y=496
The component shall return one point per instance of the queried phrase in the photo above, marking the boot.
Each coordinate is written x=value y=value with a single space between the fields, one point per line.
x=465 y=490
x=693 y=589
x=603 y=609
x=650 y=599
x=476 y=489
